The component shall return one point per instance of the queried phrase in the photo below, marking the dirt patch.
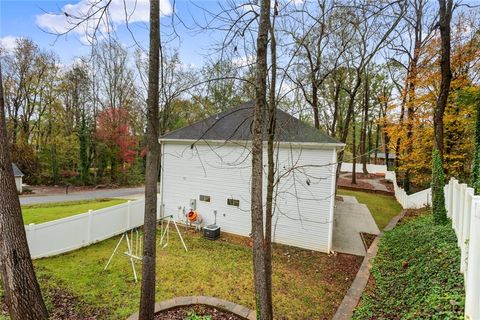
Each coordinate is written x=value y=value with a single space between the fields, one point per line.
x=411 y=214
x=367 y=239
x=210 y=313
x=387 y=184
x=339 y=198
x=361 y=184
x=64 y=305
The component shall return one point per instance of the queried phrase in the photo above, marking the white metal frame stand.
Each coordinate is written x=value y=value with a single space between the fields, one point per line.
x=165 y=232
x=131 y=253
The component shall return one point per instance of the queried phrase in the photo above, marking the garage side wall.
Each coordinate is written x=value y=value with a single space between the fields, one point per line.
x=304 y=196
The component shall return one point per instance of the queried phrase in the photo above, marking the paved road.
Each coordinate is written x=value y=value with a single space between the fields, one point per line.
x=85 y=195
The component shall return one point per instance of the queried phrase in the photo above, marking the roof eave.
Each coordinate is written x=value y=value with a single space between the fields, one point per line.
x=236 y=142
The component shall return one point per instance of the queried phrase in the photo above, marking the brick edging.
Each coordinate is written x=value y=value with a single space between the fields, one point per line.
x=225 y=305
x=354 y=293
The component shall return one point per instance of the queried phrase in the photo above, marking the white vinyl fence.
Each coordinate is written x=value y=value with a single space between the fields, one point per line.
x=463 y=208
x=71 y=233
x=412 y=201
x=371 y=168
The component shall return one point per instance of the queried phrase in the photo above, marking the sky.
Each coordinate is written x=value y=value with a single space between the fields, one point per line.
x=35 y=19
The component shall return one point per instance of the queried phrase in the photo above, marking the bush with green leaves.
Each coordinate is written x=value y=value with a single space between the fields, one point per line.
x=194 y=316
x=438 y=183
x=415 y=274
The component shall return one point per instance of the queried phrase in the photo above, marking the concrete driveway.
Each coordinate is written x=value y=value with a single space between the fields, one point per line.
x=126 y=193
x=350 y=219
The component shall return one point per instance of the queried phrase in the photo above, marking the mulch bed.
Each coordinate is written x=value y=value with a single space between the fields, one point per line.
x=367 y=239
x=64 y=306
x=182 y=313
x=361 y=184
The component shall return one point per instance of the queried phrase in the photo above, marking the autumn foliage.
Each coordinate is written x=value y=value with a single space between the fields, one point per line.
x=415 y=154
x=113 y=129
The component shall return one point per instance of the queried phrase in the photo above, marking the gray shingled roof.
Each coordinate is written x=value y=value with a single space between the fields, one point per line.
x=236 y=123
x=16 y=171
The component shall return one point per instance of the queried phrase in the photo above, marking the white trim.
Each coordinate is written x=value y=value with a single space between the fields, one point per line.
x=309 y=145
x=332 y=201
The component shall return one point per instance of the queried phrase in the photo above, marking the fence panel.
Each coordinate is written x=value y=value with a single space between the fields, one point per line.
x=472 y=299
x=71 y=233
x=371 y=168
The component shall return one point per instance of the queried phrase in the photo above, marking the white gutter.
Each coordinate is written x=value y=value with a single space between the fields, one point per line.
x=310 y=145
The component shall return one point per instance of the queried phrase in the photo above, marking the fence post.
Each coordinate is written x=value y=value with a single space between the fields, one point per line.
x=89 y=227
x=129 y=213
x=466 y=231
x=461 y=213
x=31 y=238
x=450 y=196
x=472 y=297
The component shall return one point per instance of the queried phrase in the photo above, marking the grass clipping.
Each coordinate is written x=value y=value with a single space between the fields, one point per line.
x=415 y=274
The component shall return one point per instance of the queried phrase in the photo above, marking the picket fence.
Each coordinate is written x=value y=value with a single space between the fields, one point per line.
x=71 y=233
x=463 y=208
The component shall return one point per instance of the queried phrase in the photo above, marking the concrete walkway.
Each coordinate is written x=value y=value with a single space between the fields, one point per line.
x=354 y=293
x=125 y=193
x=350 y=219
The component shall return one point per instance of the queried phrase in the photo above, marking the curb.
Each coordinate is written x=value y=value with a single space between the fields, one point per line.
x=224 y=305
x=354 y=293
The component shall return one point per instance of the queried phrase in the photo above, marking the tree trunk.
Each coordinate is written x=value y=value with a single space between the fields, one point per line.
x=445 y=16
x=22 y=292
x=336 y=104
x=259 y=252
x=363 y=134
x=272 y=112
x=147 y=298
x=354 y=153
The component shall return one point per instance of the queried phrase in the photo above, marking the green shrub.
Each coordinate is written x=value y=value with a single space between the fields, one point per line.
x=415 y=274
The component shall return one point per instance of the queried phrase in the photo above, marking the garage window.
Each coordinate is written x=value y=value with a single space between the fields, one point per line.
x=204 y=198
x=233 y=202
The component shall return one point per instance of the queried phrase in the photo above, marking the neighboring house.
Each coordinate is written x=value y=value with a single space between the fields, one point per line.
x=18 y=177
x=209 y=162
x=382 y=159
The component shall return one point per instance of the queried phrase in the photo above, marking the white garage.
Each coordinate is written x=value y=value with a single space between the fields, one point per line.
x=209 y=163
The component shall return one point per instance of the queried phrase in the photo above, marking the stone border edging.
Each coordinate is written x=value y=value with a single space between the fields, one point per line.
x=225 y=305
x=354 y=293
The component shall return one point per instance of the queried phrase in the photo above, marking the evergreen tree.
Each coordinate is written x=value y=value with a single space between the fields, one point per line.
x=438 y=182
x=83 y=140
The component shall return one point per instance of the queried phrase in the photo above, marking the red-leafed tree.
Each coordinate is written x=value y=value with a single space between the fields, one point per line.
x=113 y=129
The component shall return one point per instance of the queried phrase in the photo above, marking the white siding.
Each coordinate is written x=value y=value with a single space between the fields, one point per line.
x=18 y=183
x=303 y=214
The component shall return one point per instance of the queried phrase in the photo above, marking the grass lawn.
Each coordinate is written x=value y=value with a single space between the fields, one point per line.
x=38 y=213
x=382 y=207
x=416 y=273
x=306 y=284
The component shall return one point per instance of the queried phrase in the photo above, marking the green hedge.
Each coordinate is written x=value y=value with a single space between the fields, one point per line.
x=415 y=274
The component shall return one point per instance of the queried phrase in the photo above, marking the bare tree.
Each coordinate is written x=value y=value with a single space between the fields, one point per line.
x=445 y=18
x=259 y=253
x=22 y=292
x=147 y=298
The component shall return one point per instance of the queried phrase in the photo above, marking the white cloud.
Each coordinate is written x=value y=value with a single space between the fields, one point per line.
x=8 y=43
x=244 y=61
x=118 y=12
